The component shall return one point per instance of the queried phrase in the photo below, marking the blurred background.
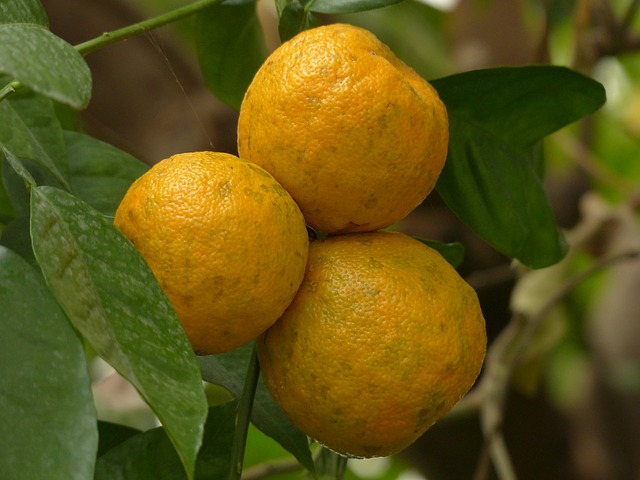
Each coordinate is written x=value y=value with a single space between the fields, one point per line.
x=571 y=409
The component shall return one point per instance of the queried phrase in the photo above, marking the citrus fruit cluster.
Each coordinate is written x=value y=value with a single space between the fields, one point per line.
x=365 y=337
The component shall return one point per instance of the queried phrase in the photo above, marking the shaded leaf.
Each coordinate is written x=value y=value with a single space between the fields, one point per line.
x=47 y=419
x=23 y=11
x=228 y=370
x=230 y=49
x=150 y=455
x=100 y=174
x=495 y=189
x=111 y=296
x=349 y=6
x=492 y=178
x=294 y=18
x=16 y=237
x=45 y=63
x=521 y=105
x=452 y=252
x=112 y=435
x=30 y=130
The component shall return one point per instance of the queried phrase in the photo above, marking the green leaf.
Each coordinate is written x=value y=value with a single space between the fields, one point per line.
x=452 y=252
x=150 y=455
x=112 y=298
x=521 y=105
x=100 y=174
x=30 y=130
x=16 y=237
x=228 y=370
x=294 y=18
x=112 y=435
x=47 y=419
x=494 y=187
x=348 y=6
x=44 y=62
x=230 y=49
x=492 y=178
x=7 y=212
x=23 y=11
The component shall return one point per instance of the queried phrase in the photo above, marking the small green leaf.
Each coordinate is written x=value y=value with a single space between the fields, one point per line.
x=47 y=419
x=23 y=11
x=45 y=63
x=112 y=298
x=30 y=130
x=294 y=18
x=230 y=48
x=452 y=252
x=150 y=455
x=228 y=370
x=348 y=6
x=100 y=174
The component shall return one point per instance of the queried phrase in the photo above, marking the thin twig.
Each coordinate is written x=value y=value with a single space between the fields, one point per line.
x=503 y=358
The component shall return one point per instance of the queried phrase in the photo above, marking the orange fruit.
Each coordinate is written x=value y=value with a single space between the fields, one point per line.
x=355 y=135
x=381 y=340
x=226 y=242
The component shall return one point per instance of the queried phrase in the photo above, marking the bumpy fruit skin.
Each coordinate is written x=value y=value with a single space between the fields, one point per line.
x=226 y=242
x=382 y=339
x=355 y=135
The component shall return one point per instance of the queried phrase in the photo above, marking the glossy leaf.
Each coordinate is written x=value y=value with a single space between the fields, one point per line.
x=493 y=186
x=348 y=6
x=23 y=11
x=30 y=130
x=230 y=48
x=45 y=63
x=100 y=174
x=492 y=178
x=228 y=370
x=521 y=105
x=47 y=419
x=150 y=455
x=112 y=298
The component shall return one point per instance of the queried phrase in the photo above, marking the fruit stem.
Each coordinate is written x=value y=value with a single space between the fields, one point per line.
x=107 y=38
x=8 y=89
x=244 y=416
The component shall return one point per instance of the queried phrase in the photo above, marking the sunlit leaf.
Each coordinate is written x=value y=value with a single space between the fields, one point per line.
x=30 y=130
x=112 y=298
x=45 y=63
x=47 y=418
x=23 y=11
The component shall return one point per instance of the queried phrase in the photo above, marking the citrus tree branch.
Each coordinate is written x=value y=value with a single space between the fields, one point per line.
x=503 y=357
x=144 y=26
